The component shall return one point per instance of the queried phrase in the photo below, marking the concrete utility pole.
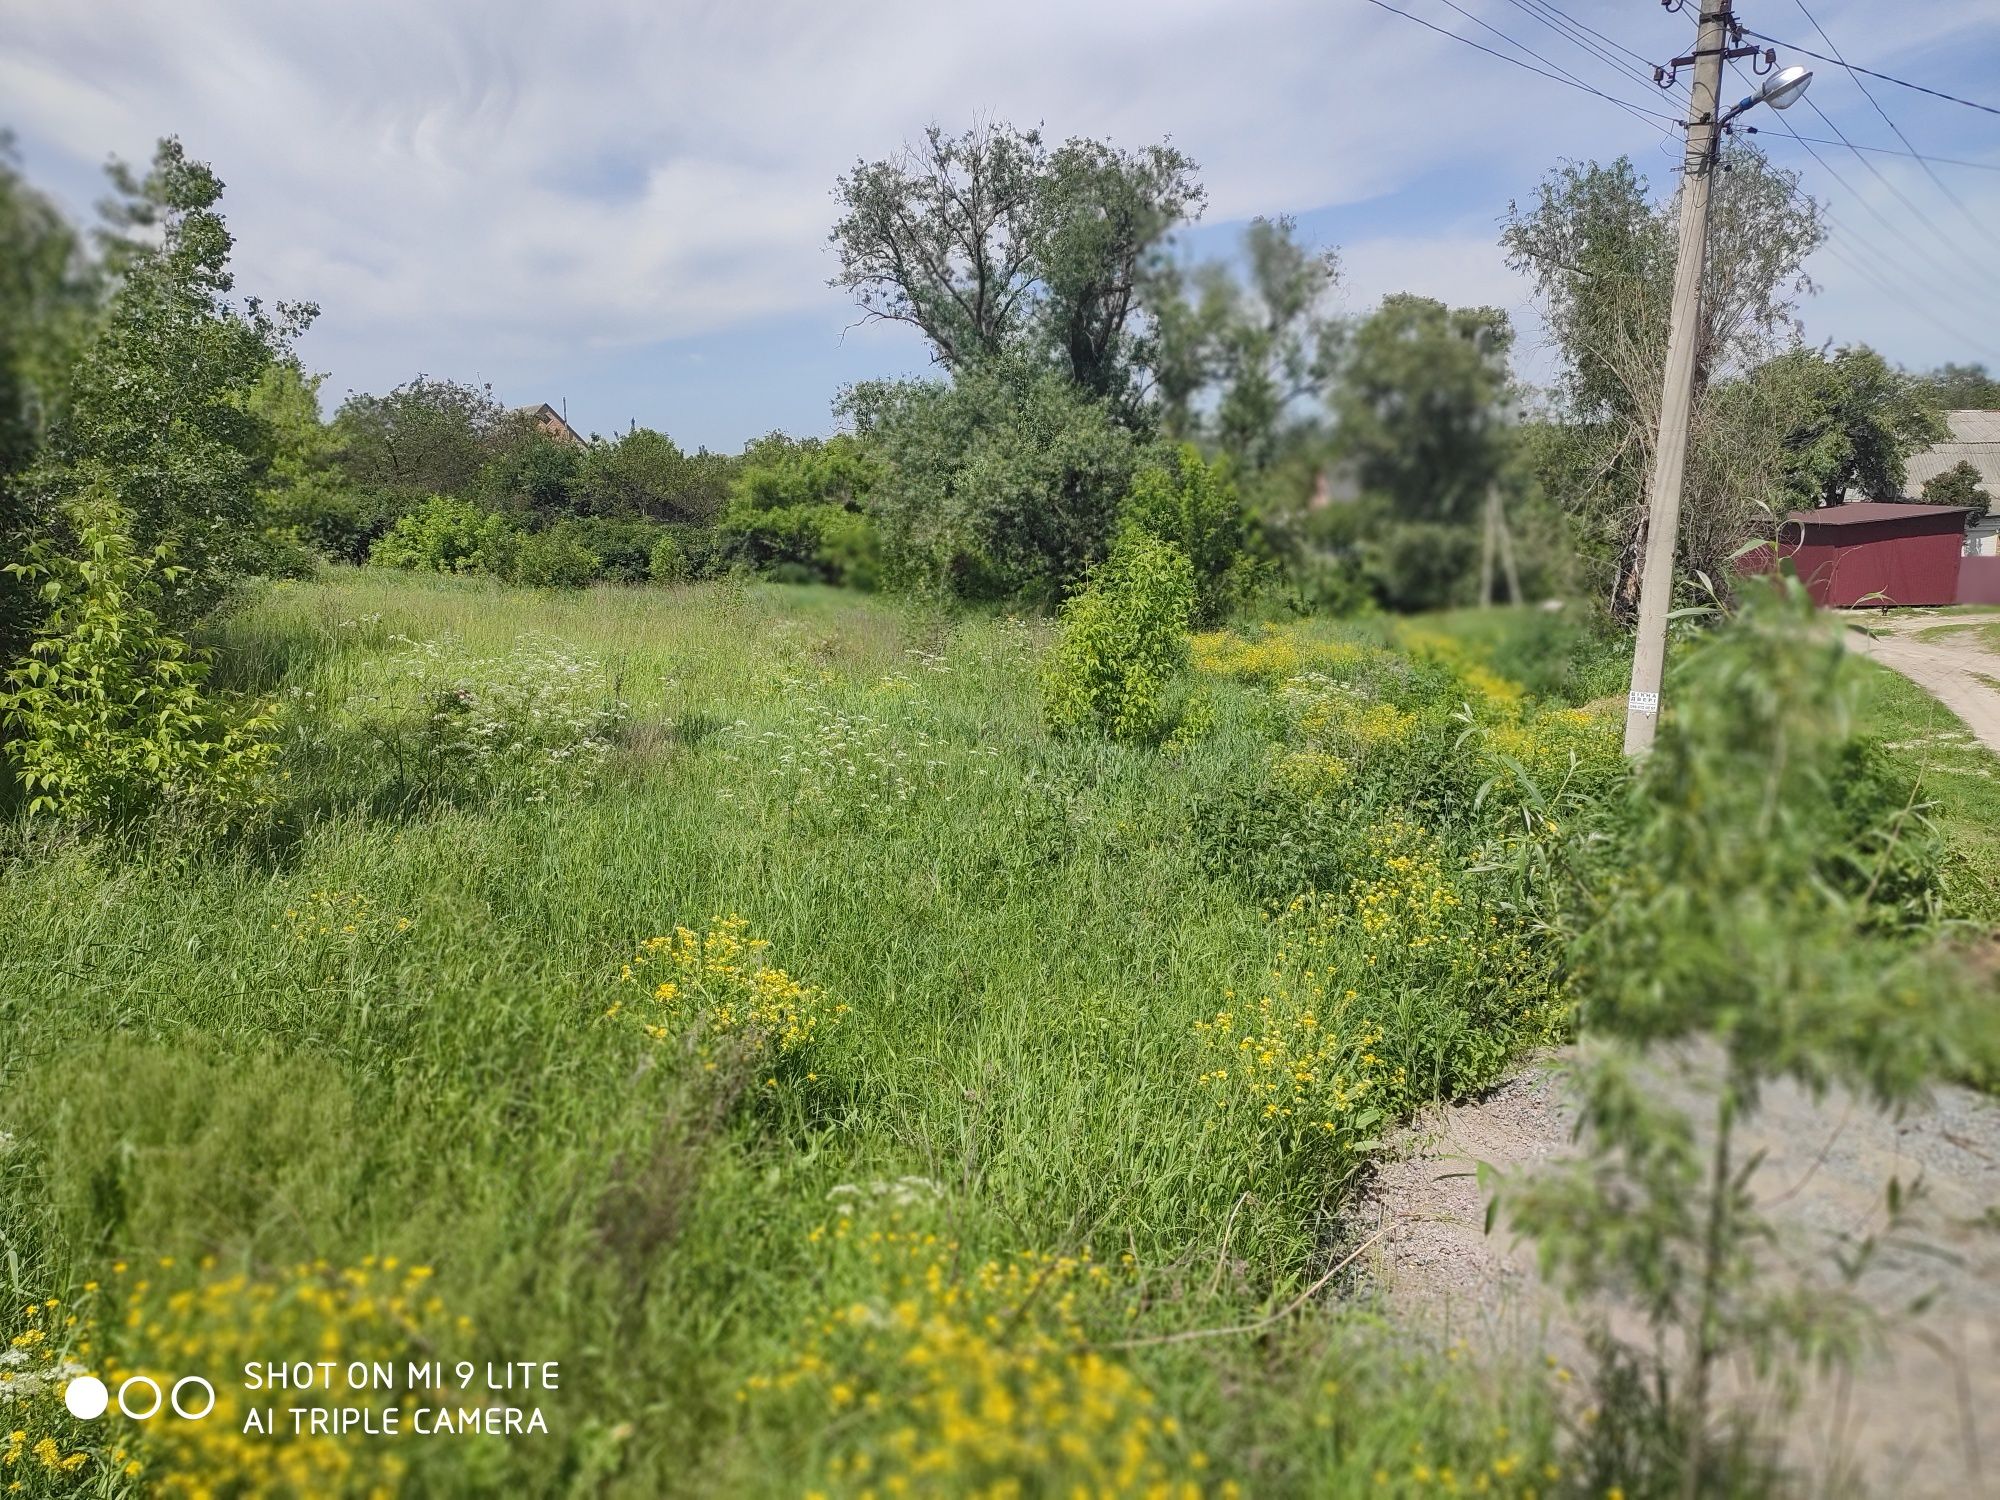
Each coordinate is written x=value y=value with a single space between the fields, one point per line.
x=1663 y=498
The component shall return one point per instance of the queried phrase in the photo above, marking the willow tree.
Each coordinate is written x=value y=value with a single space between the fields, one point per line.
x=1600 y=254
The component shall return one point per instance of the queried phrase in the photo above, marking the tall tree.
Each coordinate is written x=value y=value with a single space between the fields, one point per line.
x=1420 y=404
x=1600 y=254
x=991 y=243
x=645 y=473
x=159 y=418
x=48 y=292
x=426 y=437
x=1963 y=388
x=1263 y=340
x=1846 y=422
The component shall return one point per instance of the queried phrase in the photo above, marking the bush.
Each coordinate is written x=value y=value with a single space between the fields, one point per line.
x=338 y=520
x=447 y=535
x=1195 y=506
x=554 y=559
x=624 y=545
x=1005 y=483
x=1418 y=565
x=106 y=719
x=796 y=512
x=1958 y=485
x=668 y=561
x=1123 y=640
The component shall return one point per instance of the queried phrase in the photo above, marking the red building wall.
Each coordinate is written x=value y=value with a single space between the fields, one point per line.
x=1877 y=554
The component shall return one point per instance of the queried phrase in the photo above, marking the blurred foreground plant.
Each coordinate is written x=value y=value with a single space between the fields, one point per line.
x=1761 y=913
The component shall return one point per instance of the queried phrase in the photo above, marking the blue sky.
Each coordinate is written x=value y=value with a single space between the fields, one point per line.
x=623 y=205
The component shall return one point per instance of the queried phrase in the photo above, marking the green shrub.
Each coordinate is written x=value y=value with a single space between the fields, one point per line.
x=338 y=520
x=105 y=718
x=554 y=559
x=1006 y=482
x=1958 y=485
x=623 y=544
x=1195 y=506
x=1122 y=643
x=795 y=512
x=449 y=535
x=668 y=561
x=850 y=549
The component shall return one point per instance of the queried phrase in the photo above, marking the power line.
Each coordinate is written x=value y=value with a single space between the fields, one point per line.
x=1900 y=269
x=1979 y=267
x=1569 y=31
x=1892 y=285
x=1942 y=161
x=1885 y=77
x=1557 y=74
x=1638 y=57
x=1929 y=171
x=1516 y=62
x=1521 y=46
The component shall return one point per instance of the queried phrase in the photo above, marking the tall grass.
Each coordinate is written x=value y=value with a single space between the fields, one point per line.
x=382 y=1032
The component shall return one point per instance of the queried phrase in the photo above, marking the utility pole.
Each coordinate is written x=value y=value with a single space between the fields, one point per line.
x=1494 y=532
x=1663 y=497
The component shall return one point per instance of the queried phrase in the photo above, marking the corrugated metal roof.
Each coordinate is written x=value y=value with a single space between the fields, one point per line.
x=1862 y=512
x=1975 y=439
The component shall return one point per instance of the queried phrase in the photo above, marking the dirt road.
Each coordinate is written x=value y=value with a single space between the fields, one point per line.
x=1922 y=1415
x=1953 y=666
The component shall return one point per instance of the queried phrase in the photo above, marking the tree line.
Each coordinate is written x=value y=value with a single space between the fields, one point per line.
x=1091 y=380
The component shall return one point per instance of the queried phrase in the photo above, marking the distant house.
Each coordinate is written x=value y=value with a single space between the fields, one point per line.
x=1975 y=439
x=552 y=422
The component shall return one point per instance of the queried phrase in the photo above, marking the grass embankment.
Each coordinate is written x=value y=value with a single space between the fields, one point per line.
x=1054 y=1072
x=1954 y=773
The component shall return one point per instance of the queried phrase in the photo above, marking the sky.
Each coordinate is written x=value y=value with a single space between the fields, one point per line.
x=621 y=207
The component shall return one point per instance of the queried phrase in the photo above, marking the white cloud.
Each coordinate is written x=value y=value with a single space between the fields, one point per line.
x=500 y=180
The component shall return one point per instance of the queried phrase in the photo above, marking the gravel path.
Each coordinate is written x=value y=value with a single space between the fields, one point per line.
x=1922 y=1414
x=1955 y=669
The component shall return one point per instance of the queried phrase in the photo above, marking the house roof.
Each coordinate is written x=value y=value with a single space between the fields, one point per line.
x=1865 y=512
x=551 y=422
x=1975 y=439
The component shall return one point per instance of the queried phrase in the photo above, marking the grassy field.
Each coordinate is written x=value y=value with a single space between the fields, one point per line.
x=995 y=1208
x=1022 y=1147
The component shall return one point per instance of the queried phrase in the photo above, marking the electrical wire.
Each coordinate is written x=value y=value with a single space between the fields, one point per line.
x=1673 y=147
x=1521 y=46
x=1872 y=73
x=1929 y=171
x=1638 y=57
x=1894 y=284
x=1946 y=292
x=1979 y=267
x=1516 y=62
x=1896 y=288
x=1942 y=161
x=1570 y=32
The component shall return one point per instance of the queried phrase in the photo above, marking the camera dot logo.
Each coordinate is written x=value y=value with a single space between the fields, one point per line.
x=86 y=1398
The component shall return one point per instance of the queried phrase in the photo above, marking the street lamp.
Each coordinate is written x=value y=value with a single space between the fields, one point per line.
x=1781 y=90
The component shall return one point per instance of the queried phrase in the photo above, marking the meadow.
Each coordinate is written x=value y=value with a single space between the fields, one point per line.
x=1057 y=1084
x=735 y=995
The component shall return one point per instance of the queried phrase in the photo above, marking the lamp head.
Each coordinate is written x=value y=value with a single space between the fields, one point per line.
x=1784 y=87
